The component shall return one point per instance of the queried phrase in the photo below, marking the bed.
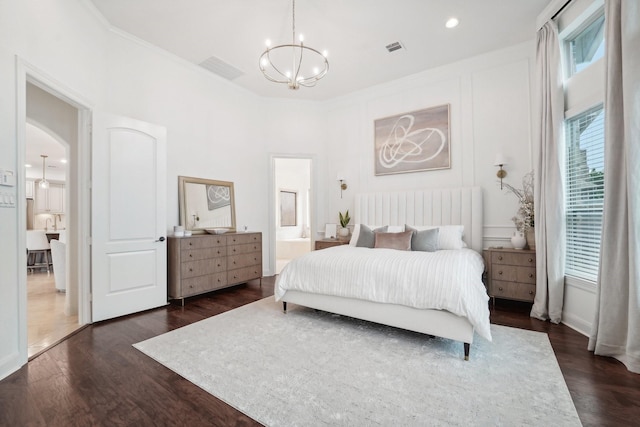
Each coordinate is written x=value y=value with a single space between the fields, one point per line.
x=352 y=281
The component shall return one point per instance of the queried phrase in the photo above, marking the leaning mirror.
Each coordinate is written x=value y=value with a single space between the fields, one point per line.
x=206 y=204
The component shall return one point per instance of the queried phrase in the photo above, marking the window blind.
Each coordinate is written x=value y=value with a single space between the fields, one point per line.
x=584 y=192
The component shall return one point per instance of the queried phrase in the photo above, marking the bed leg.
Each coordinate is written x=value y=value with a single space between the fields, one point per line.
x=467 y=346
x=284 y=306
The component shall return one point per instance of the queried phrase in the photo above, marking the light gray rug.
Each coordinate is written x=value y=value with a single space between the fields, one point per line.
x=309 y=368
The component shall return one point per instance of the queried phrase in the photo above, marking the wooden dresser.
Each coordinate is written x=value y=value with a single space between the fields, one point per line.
x=327 y=243
x=206 y=262
x=511 y=273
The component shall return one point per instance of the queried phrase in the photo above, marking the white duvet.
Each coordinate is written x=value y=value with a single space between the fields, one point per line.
x=444 y=280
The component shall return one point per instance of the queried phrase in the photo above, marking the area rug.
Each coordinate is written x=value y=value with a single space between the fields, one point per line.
x=311 y=368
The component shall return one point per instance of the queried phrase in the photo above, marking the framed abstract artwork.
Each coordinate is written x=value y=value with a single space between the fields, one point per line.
x=413 y=142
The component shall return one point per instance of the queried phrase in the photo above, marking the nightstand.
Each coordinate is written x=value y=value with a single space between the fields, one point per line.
x=511 y=273
x=327 y=243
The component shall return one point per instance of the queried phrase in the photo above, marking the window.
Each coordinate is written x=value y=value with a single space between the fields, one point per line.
x=584 y=192
x=586 y=47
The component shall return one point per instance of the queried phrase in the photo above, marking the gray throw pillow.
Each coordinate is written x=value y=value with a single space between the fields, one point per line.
x=367 y=239
x=425 y=240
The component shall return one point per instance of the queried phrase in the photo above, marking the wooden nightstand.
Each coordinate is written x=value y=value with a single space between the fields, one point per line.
x=511 y=273
x=327 y=243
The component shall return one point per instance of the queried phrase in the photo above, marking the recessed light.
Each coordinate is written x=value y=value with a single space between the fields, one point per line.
x=63 y=160
x=452 y=22
x=27 y=165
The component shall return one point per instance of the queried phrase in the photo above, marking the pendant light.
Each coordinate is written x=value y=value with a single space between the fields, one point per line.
x=44 y=184
x=293 y=64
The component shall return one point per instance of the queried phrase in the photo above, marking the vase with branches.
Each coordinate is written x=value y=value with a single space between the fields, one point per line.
x=524 y=219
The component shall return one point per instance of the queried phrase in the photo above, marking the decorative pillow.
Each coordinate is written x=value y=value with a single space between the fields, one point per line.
x=400 y=241
x=450 y=236
x=366 y=237
x=424 y=240
x=355 y=235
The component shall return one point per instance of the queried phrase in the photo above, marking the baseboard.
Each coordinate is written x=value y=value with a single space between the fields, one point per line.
x=576 y=323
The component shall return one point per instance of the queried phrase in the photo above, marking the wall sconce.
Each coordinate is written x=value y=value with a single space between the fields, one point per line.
x=500 y=161
x=343 y=184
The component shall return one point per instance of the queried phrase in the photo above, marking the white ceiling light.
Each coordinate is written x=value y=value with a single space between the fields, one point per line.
x=44 y=184
x=294 y=64
x=452 y=22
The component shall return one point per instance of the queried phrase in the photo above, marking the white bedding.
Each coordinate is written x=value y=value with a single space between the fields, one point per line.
x=444 y=280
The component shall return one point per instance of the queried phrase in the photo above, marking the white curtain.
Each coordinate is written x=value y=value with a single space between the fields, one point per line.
x=616 y=328
x=549 y=187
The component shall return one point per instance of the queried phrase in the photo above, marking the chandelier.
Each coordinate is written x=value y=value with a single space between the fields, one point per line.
x=294 y=64
x=44 y=184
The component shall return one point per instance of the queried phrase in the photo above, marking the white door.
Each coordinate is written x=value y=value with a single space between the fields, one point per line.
x=128 y=220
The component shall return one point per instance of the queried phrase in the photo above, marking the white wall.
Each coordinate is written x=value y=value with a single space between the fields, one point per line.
x=490 y=103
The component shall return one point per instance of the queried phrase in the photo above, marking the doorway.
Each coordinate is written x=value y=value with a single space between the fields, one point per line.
x=52 y=122
x=292 y=201
x=49 y=318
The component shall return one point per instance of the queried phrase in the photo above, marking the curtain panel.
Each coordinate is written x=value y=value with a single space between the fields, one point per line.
x=549 y=183
x=616 y=327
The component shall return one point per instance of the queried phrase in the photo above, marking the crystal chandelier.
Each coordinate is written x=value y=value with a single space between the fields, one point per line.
x=44 y=184
x=294 y=64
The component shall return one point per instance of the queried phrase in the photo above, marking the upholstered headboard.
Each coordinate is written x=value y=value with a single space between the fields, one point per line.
x=450 y=206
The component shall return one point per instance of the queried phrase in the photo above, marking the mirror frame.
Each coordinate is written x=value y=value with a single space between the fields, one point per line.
x=183 y=181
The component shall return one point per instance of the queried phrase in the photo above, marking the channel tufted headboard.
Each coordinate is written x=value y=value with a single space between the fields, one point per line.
x=449 y=206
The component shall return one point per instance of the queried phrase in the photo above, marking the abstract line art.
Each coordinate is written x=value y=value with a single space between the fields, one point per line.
x=413 y=142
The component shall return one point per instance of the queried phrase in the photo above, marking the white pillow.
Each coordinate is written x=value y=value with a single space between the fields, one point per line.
x=356 y=231
x=450 y=236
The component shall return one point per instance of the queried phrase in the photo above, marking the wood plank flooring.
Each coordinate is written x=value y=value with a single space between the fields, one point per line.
x=46 y=321
x=96 y=377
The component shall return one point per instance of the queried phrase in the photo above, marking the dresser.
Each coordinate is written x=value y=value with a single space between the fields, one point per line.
x=327 y=243
x=511 y=273
x=206 y=262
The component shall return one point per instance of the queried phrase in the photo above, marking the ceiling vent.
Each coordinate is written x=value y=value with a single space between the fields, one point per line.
x=395 y=46
x=221 y=68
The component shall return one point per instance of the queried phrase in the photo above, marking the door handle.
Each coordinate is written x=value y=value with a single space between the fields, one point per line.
x=161 y=239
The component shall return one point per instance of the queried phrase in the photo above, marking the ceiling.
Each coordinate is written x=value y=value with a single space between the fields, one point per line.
x=354 y=32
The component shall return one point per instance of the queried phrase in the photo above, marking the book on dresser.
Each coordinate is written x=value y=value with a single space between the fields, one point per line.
x=511 y=273
x=206 y=262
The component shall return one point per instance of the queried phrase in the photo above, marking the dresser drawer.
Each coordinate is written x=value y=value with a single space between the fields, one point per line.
x=200 y=242
x=202 y=267
x=201 y=284
x=244 y=249
x=512 y=273
x=510 y=258
x=207 y=253
x=244 y=238
x=511 y=290
x=244 y=260
x=244 y=274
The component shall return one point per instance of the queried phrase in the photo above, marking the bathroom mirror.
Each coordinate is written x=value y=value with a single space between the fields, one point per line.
x=206 y=204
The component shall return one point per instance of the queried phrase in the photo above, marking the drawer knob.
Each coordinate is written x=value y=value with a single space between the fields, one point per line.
x=500 y=273
x=234 y=249
x=531 y=275
x=500 y=289
x=218 y=265
x=191 y=286
x=190 y=243
x=530 y=292
x=191 y=269
x=500 y=257
x=190 y=255
x=530 y=259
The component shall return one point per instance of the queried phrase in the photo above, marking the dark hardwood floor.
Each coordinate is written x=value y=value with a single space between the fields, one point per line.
x=96 y=377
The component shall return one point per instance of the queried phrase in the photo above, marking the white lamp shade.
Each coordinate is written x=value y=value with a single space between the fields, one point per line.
x=500 y=160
